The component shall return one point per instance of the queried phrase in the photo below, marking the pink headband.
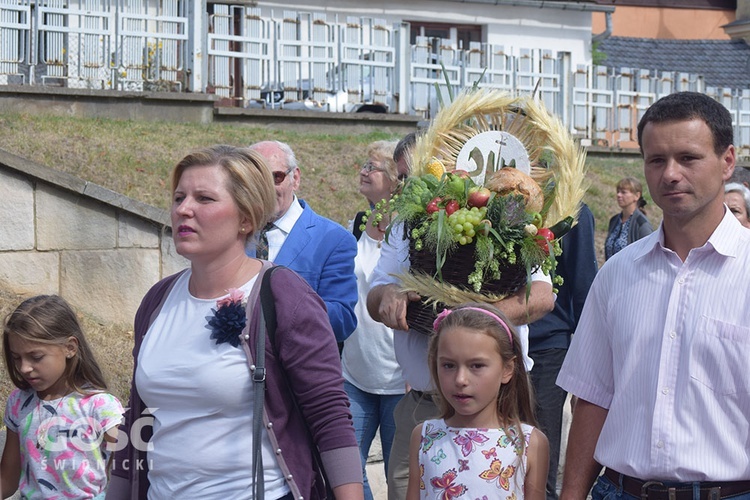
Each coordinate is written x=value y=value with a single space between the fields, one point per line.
x=445 y=312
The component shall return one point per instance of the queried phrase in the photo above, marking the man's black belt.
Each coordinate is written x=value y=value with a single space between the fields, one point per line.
x=657 y=490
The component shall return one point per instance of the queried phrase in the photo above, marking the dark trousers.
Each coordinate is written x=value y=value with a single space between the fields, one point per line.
x=550 y=401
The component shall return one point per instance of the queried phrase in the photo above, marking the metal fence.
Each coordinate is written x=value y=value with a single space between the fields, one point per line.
x=314 y=60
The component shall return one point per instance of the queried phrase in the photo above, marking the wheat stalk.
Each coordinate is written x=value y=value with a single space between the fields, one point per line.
x=433 y=291
x=569 y=167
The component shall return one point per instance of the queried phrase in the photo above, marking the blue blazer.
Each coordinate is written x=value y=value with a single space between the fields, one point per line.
x=322 y=252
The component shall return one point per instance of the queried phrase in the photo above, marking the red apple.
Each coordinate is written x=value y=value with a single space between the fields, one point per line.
x=461 y=173
x=478 y=197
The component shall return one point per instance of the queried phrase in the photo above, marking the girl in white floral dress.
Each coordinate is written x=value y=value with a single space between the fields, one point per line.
x=484 y=446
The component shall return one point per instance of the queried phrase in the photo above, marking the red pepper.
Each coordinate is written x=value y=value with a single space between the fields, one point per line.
x=433 y=205
x=543 y=238
x=451 y=207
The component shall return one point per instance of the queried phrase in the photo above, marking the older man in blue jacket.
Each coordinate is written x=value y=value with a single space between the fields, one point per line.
x=316 y=248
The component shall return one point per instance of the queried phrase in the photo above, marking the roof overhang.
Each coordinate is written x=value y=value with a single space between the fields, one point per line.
x=579 y=6
x=737 y=29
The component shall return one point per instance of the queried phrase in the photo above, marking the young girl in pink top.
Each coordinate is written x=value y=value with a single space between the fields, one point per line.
x=60 y=415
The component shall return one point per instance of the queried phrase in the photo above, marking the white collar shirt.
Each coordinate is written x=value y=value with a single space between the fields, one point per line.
x=664 y=345
x=282 y=227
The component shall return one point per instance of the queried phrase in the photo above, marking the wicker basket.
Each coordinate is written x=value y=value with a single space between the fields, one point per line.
x=458 y=266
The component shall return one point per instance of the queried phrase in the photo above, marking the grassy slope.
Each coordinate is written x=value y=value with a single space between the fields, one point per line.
x=134 y=158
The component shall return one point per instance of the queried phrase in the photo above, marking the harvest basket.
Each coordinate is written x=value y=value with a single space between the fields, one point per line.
x=485 y=139
x=459 y=265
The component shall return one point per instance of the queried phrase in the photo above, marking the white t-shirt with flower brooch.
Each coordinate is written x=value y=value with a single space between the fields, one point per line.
x=202 y=397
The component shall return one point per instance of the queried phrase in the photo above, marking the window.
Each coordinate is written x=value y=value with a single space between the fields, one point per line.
x=460 y=34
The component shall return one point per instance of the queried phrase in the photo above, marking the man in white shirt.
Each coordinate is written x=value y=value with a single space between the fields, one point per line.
x=316 y=248
x=659 y=358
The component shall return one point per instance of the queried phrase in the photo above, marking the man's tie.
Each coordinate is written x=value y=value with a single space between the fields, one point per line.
x=261 y=251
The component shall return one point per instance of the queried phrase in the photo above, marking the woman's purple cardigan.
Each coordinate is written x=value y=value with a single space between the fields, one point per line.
x=306 y=351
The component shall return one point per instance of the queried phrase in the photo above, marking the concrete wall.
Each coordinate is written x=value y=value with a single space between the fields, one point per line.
x=98 y=249
x=166 y=106
x=187 y=107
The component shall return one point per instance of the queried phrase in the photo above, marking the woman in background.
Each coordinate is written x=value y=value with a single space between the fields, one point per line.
x=372 y=376
x=630 y=224
x=737 y=198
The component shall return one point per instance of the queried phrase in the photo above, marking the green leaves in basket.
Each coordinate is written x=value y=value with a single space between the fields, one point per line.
x=508 y=216
x=439 y=238
x=440 y=254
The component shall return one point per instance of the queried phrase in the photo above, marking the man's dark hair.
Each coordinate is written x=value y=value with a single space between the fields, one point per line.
x=683 y=106
x=403 y=151
x=404 y=145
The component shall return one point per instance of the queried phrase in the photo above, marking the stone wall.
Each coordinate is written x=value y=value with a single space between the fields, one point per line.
x=98 y=249
x=112 y=104
x=188 y=107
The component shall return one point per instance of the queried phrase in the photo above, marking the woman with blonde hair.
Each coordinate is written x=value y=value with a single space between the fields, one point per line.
x=372 y=376
x=196 y=345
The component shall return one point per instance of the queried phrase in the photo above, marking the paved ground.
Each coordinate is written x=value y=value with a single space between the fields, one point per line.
x=376 y=471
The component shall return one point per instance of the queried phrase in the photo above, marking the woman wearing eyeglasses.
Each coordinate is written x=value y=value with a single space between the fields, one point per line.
x=372 y=376
x=193 y=394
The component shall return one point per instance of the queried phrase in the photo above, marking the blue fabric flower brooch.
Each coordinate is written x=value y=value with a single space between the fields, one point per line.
x=229 y=318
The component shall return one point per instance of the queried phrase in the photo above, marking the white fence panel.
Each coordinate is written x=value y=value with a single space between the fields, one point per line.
x=433 y=62
x=15 y=40
x=488 y=65
x=50 y=33
x=367 y=69
x=593 y=104
x=152 y=45
x=306 y=56
x=634 y=93
x=255 y=45
x=220 y=55
x=240 y=59
x=538 y=71
x=742 y=127
x=421 y=80
x=75 y=43
x=732 y=103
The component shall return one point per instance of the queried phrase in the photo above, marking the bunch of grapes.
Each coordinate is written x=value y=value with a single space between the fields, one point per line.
x=464 y=222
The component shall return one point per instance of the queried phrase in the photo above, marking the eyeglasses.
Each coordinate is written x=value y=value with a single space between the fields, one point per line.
x=278 y=177
x=370 y=167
